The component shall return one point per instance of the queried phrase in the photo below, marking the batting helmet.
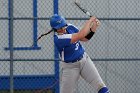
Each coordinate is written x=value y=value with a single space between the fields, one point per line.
x=57 y=21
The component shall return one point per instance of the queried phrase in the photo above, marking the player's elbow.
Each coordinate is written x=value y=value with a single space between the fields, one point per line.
x=84 y=40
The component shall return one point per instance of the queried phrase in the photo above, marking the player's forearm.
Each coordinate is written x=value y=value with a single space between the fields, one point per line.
x=82 y=33
x=93 y=28
x=85 y=30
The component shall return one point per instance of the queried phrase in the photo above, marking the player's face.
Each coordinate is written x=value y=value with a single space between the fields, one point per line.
x=62 y=30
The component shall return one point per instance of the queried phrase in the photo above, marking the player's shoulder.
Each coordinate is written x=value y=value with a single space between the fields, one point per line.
x=64 y=36
x=72 y=28
x=62 y=40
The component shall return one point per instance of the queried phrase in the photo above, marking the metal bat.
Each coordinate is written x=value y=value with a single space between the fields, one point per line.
x=77 y=3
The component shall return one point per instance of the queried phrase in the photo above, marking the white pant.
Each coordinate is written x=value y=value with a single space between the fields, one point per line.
x=72 y=71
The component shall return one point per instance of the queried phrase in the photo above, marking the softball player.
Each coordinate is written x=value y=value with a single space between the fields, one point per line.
x=75 y=61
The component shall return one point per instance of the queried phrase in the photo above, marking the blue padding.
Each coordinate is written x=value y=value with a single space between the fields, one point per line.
x=103 y=90
x=24 y=48
x=28 y=82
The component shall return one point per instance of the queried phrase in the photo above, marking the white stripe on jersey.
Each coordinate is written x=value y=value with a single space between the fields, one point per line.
x=65 y=36
x=62 y=55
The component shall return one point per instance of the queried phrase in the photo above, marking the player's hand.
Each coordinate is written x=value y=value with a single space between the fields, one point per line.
x=92 y=19
x=96 y=23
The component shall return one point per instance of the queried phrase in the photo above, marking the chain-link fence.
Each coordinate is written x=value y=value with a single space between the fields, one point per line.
x=115 y=48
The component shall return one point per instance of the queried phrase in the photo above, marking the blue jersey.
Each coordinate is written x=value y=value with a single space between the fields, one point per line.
x=69 y=52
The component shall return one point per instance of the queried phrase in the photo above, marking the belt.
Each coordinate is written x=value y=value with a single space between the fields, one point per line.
x=78 y=59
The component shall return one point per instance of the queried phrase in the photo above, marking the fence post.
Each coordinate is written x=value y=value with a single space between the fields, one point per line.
x=11 y=43
x=56 y=53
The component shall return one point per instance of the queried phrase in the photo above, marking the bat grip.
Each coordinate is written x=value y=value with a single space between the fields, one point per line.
x=88 y=14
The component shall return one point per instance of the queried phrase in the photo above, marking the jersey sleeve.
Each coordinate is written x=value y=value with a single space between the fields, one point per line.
x=64 y=40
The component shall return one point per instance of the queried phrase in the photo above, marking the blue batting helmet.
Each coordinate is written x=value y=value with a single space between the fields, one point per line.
x=57 y=21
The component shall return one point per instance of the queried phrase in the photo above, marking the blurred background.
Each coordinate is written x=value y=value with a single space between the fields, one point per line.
x=115 y=48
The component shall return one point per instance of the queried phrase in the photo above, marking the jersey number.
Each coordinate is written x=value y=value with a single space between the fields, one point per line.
x=77 y=46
